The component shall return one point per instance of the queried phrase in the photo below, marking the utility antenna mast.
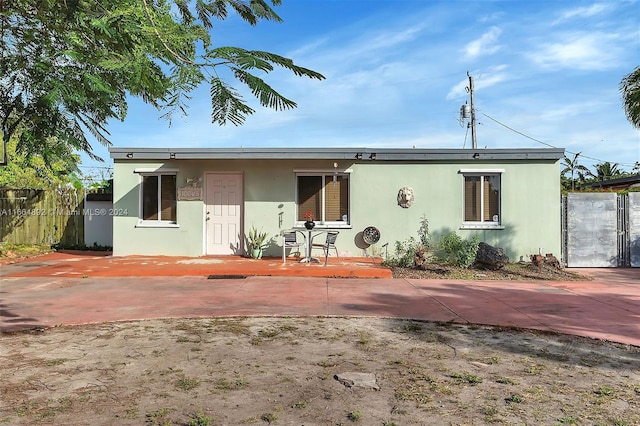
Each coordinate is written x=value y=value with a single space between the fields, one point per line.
x=472 y=123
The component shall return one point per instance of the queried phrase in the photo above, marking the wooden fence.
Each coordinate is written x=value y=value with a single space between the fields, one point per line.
x=35 y=216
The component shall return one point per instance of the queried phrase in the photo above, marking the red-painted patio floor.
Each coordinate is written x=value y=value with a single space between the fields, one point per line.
x=102 y=264
x=80 y=288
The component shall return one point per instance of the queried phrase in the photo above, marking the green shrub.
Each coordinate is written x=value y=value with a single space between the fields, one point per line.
x=405 y=251
x=456 y=251
x=423 y=233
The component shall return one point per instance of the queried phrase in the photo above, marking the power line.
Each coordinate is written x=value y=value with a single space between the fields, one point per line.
x=518 y=132
x=549 y=145
x=96 y=167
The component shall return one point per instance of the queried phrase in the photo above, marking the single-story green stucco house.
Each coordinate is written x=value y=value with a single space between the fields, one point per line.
x=202 y=201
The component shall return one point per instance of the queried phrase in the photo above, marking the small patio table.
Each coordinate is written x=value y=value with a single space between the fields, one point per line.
x=312 y=233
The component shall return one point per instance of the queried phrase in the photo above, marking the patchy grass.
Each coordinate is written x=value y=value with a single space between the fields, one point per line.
x=471 y=379
x=200 y=419
x=20 y=251
x=225 y=384
x=55 y=361
x=301 y=404
x=354 y=416
x=159 y=417
x=427 y=372
x=269 y=417
x=507 y=381
x=187 y=383
x=515 y=399
x=604 y=390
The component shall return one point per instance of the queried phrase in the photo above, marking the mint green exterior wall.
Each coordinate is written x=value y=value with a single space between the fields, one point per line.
x=185 y=240
x=530 y=204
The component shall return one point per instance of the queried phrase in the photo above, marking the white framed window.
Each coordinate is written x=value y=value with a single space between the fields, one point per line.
x=325 y=195
x=158 y=199
x=481 y=198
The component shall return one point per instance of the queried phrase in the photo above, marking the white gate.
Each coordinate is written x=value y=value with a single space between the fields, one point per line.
x=601 y=229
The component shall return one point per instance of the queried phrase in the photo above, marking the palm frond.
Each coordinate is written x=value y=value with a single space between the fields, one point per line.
x=95 y=128
x=263 y=11
x=227 y=104
x=286 y=63
x=183 y=9
x=258 y=59
x=205 y=10
x=630 y=89
x=266 y=95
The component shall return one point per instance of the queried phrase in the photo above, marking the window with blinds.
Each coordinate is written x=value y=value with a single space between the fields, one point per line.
x=482 y=198
x=159 y=198
x=326 y=196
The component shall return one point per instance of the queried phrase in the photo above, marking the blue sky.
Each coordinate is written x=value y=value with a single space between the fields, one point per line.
x=396 y=72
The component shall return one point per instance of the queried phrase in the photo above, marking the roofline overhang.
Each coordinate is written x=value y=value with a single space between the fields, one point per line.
x=363 y=154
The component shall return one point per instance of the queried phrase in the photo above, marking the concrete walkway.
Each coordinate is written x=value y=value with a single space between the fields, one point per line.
x=606 y=308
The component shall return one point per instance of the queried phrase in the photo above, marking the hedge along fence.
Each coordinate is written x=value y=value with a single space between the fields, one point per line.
x=37 y=216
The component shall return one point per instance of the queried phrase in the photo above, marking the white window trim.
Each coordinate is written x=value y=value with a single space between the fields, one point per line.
x=481 y=225
x=486 y=224
x=314 y=172
x=142 y=223
x=320 y=224
x=156 y=170
x=480 y=171
x=156 y=224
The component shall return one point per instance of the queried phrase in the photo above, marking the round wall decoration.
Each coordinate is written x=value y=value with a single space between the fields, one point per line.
x=371 y=235
x=405 y=197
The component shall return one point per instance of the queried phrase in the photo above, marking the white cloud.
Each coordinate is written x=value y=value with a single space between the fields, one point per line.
x=458 y=91
x=570 y=111
x=485 y=45
x=391 y=39
x=492 y=17
x=581 y=12
x=309 y=49
x=491 y=77
x=371 y=47
x=582 y=51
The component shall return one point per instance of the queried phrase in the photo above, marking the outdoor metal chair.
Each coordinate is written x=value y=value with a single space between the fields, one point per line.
x=329 y=243
x=290 y=240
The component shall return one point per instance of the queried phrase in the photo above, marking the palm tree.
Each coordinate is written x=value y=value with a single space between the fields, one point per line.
x=630 y=89
x=607 y=171
x=571 y=166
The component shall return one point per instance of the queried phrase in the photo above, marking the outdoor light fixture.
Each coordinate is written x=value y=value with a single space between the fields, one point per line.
x=372 y=156
x=359 y=156
x=172 y=156
x=129 y=154
x=476 y=156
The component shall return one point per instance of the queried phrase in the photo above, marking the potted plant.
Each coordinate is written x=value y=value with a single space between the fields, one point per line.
x=309 y=223
x=256 y=242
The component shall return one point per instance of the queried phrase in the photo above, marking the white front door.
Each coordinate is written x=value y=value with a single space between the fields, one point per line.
x=223 y=214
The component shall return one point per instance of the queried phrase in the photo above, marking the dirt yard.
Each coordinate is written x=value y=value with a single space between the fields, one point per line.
x=284 y=371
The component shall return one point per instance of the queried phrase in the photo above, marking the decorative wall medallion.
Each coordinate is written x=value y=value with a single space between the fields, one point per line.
x=405 y=197
x=371 y=235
